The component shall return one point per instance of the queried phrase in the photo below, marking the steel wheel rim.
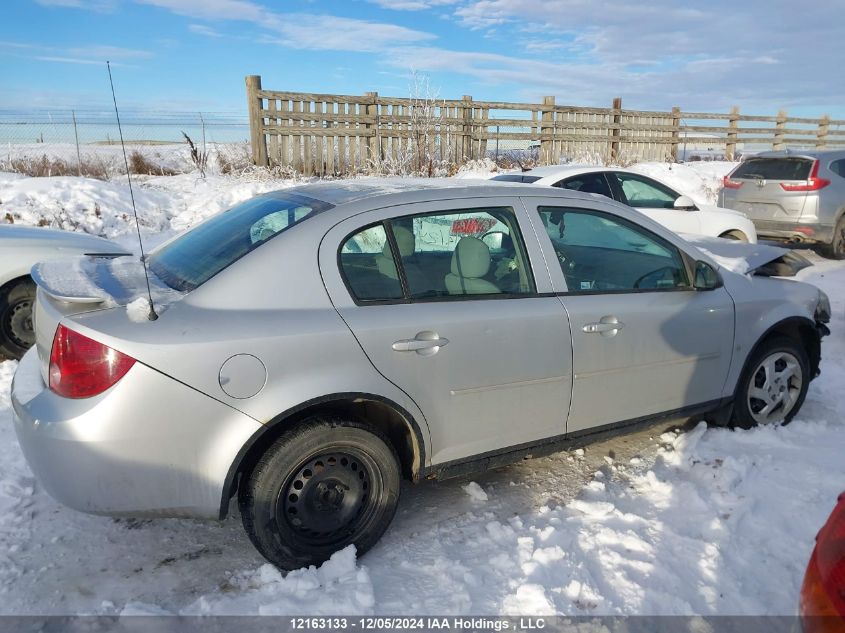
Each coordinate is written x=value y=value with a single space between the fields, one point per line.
x=17 y=324
x=775 y=387
x=329 y=497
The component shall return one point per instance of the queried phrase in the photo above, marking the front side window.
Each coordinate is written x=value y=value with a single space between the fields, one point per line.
x=440 y=255
x=602 y=253
x=645 y=193
x=196 y=256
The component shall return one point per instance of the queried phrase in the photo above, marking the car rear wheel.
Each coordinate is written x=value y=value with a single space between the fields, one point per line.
x=16 y=329
x=326 y=483
x=836 y=248
x=773 y=385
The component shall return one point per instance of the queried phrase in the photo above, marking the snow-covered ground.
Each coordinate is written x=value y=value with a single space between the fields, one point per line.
x=696 y=520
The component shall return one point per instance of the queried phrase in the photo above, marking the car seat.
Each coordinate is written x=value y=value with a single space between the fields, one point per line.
x=470 y=262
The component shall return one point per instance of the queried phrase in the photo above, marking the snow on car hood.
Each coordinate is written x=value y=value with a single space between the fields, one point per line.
x=110 y=281
x=744 y=258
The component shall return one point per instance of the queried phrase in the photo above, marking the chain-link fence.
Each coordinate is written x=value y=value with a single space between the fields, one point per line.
x=87 y=141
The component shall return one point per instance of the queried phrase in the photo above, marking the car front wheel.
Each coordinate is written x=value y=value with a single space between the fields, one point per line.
x=324 y=484
x=774 y=384
x=16 y=330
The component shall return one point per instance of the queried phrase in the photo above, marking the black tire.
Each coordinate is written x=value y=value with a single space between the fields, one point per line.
x=325 y=483
x=748 y=411
x=17 y=334
x=836 y=248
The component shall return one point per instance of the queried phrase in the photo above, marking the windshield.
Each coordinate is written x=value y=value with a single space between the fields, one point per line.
x=774 y=168
x=196 y=256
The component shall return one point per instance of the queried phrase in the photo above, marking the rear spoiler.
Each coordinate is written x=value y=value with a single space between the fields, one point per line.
x=64 y=294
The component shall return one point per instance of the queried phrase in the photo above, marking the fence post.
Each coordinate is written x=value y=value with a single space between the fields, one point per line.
x=616 y=129
x=821 y=133
x=372 y=111
x=676 y=133
x=256 y=134
x=733 y=123
x=780 y=124
x=466 y=142
x=76 y=136
x=548 y=116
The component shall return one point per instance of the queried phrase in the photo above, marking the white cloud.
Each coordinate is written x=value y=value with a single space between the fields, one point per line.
x=300 y=30
x=202 y=29
x=91 y=5
x=74 y=60
x=101 y=52
x=411 y=5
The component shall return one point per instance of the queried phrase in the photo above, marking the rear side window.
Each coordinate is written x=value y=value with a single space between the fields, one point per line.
x=367 y=264
x=524 y=178
x=587 y=183
x=774 y=169
x=198 y=255
x=439 y=255
x=838 y=167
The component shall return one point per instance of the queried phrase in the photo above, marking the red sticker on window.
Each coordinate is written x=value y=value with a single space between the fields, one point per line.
x=472 y=226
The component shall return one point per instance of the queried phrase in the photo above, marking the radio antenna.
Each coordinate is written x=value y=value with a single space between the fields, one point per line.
x=152 y=316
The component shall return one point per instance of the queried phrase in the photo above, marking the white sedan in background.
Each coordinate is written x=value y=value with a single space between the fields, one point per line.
x=21 y=247
x=658 y=201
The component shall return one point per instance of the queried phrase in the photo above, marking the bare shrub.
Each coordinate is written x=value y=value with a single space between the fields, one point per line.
x=234 y=158
x=199 y=157
x=142 y=165
x=427 y=150
x=46 y=166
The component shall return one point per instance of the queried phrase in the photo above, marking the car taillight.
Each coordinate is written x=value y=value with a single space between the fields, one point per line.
x=81 y=367
x=814 y=183
x=823 y=592
x=727 y=183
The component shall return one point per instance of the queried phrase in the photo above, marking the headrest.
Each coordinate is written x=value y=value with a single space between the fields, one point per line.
x=471 y=258
x=404 y=240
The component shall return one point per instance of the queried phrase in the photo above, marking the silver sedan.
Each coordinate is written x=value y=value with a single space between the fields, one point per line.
x=315 y=345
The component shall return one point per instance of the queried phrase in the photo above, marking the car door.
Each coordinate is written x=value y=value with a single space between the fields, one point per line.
x=655 y=200
x=451 y=301
x=644 y=341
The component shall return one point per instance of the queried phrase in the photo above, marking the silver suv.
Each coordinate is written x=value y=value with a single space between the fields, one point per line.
x=315 y=345
x=796 y=196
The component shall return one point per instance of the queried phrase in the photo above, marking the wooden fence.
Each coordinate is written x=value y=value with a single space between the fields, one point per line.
x=324 y=134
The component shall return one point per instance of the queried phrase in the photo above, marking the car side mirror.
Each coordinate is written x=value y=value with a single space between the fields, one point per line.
x=706 y=277
x=685 y=203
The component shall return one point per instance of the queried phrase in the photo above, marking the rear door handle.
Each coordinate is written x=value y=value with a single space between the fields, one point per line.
x=425 y=343
x=606 y=326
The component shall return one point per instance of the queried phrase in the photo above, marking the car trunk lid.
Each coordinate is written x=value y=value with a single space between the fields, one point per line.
x=76 y=285
x=756 y=187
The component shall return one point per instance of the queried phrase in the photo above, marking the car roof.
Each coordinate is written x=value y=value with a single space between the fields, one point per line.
x=797 y=153
x=566 y=170
x=407 y=190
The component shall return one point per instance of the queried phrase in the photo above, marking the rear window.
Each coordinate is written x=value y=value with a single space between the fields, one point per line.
x=516 y=178
x=198 y=255
x=774 y=169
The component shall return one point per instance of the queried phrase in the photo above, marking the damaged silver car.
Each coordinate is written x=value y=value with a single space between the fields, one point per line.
x=316 y=345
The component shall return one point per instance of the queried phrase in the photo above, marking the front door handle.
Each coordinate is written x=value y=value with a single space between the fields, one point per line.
x=425 y=343
x=606 y=326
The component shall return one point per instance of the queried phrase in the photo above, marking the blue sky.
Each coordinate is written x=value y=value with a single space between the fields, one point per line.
x=193 y=54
